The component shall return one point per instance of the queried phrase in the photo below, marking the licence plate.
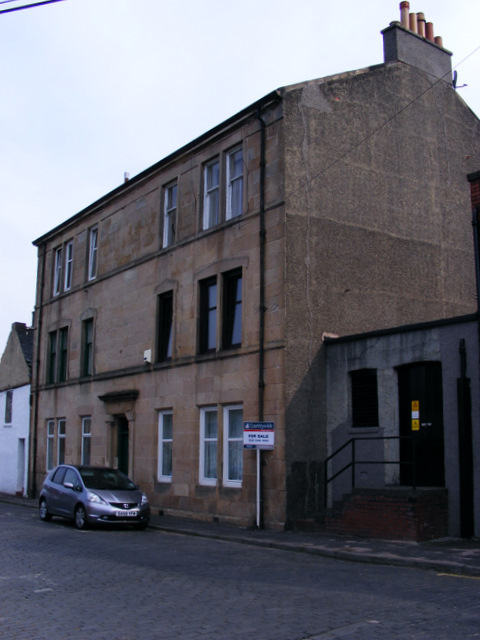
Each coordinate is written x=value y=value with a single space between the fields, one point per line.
x=126 y=514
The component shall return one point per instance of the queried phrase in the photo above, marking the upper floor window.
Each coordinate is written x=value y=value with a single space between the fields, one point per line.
x=57 y=361
x=232 y=309
x=164 y=326
x=87 y=348
x=57 y=271
x=68 y=266
x=364 y=398
x=211 y=197
x=169 y=214
x=92 y=253
x=208 y=315
x=8 y=406
x=234 y=183
x=231 y=312
x=63 y=268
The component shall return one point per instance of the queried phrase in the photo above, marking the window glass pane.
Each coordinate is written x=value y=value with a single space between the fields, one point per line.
x=210 y=462
x=167 y=459
x=364 y=398
x=210 y=424
x=235 y=460
x=165 y=326
x=68 y=266
x=235 y=425
x=167 y=426
x=92 y=257
x=211 y=195
x=58 y=271
x=235 y=184
x=8 y=406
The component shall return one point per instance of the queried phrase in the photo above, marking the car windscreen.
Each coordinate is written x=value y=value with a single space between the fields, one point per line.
x=106 y=479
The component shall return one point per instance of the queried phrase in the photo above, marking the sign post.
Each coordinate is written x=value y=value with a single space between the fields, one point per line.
x=259 y=436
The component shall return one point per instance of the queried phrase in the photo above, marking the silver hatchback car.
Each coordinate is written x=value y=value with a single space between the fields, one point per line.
x=93 y=495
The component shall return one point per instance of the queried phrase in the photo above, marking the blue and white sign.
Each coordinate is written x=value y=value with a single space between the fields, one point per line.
x=259 y=435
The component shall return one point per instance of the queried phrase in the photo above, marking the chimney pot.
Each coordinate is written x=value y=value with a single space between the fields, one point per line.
x=413 y=22
x=439 y=41
x=421 y=24
x=404 y=10
x=429 y=32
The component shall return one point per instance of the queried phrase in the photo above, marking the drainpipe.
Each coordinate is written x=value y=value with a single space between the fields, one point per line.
x=33 y=484
x=476 y=251
x=262 y=310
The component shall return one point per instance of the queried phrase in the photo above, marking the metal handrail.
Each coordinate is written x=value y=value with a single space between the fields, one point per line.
x=353 y=461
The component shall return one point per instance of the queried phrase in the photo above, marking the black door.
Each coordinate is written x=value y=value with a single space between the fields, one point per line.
x=122 y=444
x=420 y=389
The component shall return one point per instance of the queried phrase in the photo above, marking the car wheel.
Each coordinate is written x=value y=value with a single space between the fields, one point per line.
x=80 y=518
x=43 y=511
x=142 y=525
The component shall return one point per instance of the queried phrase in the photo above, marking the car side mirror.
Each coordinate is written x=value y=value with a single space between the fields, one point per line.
x=68 y=485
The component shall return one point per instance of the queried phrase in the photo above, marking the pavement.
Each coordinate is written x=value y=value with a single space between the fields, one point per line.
x=456 y=556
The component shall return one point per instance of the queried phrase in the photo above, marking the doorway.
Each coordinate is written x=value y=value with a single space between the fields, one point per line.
x=122 y=444
x=421 y=383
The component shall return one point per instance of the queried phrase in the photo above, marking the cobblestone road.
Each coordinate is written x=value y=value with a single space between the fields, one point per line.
x=58 y=583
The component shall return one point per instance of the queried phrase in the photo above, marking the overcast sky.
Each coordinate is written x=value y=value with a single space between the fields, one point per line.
x=91 y=89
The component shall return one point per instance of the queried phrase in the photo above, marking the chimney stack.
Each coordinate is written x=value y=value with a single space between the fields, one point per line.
x=412 y=41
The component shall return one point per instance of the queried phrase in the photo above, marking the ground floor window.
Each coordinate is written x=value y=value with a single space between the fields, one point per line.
x=208 y=445
x=50 y=443
x=86 y=439
x=232 y=446
x=165 y=442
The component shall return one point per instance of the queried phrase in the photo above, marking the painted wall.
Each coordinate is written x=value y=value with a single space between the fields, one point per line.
x=14 y=442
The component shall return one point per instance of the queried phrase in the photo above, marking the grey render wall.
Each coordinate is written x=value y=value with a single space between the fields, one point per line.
x=378 y=225
x=384 y=352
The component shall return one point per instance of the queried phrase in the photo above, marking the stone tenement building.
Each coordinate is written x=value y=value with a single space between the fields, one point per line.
x=197 y=295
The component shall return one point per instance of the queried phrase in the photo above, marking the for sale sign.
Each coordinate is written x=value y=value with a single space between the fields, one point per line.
x=259 y=435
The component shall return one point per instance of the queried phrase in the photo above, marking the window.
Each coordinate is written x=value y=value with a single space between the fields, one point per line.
x=364 y=398
x=8 y=406
x=67 y=285
x=208 y=315
x=233 y=446
x=208 y=446
x=61 y=441
x=92 y=253
x=211 y=200
x=86 y=435
x=165 y=441
x=63 y=354
x=63 y=268
x=169 y=214
x=234 y=183
x=52 y=357
x=57 y=272
x=57 y=362
x=232 y=309
x=50 y=440
x=87 y=350
x=164 y=326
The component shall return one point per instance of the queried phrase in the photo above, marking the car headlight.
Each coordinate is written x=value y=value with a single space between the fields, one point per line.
x=93 y=497
x=144 y=499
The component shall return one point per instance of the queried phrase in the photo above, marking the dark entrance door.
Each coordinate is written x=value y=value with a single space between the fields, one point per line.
x=422 y=383
x=122 y=443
